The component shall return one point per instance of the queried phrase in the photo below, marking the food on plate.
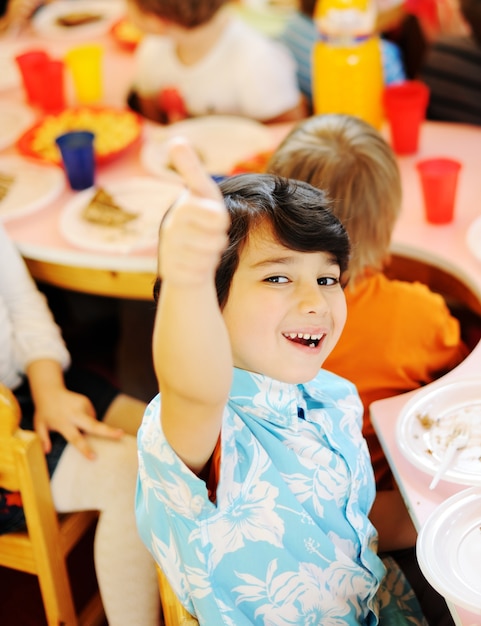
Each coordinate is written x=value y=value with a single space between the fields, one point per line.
x=103 y=210
x=255 y=164
x=113 y=130
x=127 y=33
x=425 y=420
x=6 y=181
x=78 y=19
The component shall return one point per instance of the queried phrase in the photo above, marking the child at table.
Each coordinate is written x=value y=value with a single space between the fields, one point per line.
x=254 y=480
x=199 y=58
x=398 y=335
x=81 y=420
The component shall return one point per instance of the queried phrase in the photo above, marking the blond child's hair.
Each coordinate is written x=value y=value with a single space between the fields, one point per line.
x=350 y=160
x=186 y=13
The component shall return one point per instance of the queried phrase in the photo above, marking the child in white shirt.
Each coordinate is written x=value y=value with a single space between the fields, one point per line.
x=216 y=63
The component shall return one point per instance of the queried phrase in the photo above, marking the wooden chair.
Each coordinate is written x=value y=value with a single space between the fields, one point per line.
x=174 y=612
x=43 y=548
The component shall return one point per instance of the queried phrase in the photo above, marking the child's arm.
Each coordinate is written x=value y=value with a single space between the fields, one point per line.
x=191 y=349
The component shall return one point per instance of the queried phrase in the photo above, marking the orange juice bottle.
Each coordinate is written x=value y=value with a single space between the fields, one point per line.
x=346 y=64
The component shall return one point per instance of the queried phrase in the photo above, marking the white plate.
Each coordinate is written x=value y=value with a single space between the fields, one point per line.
x=148 y=197
x=34 y=186
x=221 y=141
x=449 y=549
x=473 y=238
x=45 y=19
x=427 y=421
x=14 y=121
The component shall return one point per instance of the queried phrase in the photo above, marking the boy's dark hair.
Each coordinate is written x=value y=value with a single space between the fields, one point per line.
x=186 y=13
x=299 y=214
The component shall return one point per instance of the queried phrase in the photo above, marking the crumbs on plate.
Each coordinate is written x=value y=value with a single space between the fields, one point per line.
x=425 y=420
x=6 y=181
x=77 y=19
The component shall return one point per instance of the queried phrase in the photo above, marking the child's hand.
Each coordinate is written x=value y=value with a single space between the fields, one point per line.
x=194 y=232
x=73 y=416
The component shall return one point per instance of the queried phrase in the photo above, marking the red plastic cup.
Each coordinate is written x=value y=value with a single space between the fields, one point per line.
x=405 y=108
x=52 y=97
x=32 y=65
x=439 y=179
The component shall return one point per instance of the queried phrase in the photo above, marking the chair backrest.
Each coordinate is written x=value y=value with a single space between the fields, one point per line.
x=174 y=612
x=43 y=548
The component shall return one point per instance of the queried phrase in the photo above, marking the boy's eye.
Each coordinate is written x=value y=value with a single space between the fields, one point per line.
x=277 y=279
x=327 y=281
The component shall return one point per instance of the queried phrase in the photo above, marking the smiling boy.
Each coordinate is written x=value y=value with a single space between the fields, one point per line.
x=250 y=304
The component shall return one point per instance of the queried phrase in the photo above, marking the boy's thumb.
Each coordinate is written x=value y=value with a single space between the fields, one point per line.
x=186 y=161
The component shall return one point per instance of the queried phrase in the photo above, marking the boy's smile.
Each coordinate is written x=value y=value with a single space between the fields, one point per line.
x=286 y=309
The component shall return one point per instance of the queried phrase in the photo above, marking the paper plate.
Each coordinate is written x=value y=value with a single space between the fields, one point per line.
x=34 y=186
x=449 y=549
x=147 y=197
x=98 y=15
x=116 y=131
x=220 y=140
x=426 y=424
x=473 y=238
x=14 y=120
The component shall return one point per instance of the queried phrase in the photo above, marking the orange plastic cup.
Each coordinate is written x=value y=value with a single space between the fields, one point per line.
x=405 y=108
x=439 y=180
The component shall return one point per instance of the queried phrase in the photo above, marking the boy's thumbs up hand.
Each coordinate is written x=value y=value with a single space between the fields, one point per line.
x=193 y=234
x=186 y=162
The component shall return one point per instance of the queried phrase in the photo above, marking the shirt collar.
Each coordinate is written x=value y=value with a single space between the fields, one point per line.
x=263 y=397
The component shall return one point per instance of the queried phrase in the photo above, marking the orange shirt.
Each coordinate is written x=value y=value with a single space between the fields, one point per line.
x=398 y=337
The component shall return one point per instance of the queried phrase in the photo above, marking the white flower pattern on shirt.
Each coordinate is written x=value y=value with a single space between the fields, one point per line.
x=288 y=542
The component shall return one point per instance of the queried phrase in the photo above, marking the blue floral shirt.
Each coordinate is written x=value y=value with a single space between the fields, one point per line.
x=288 y=540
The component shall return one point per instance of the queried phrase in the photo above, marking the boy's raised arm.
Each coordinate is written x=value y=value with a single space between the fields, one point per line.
x=191 y=349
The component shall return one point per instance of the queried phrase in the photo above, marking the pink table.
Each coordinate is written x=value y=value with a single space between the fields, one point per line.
x=414 y=483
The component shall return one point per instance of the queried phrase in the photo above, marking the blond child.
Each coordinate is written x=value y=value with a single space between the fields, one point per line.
x=209 y=61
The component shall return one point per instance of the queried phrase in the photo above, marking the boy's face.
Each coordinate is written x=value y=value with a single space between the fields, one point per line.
x=285 y=310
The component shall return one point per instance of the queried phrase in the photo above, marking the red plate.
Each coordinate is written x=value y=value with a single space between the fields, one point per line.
x=116 y=131
x=126 y=34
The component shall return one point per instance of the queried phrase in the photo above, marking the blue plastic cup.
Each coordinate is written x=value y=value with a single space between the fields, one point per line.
x=77 y=150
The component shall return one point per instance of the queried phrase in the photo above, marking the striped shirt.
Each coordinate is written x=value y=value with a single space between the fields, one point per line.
x=452 y=71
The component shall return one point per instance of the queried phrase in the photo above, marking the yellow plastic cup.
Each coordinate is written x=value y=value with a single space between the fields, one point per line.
x=85 y=65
